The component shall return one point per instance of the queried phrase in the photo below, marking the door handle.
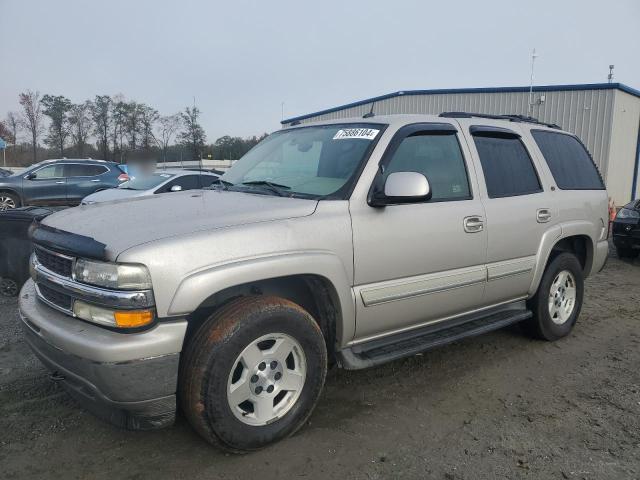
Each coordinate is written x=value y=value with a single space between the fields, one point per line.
x=59 y=183
x=473 y=224
x=543 y=215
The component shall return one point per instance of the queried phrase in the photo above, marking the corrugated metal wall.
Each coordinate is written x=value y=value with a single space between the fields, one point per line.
x=587 y=113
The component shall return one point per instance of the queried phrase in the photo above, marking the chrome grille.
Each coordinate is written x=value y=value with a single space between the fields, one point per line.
x=54 y=262
x=58 y=299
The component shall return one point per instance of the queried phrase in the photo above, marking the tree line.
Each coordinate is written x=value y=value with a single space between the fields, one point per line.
x=111 y=128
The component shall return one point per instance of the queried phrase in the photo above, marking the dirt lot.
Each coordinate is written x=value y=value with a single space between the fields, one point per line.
x=497 y=406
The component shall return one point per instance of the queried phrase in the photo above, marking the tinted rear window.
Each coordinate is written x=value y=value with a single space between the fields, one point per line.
x=506 y=165
x=568 y=160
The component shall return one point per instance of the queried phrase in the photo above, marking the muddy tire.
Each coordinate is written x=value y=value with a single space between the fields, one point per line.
x=252 y=373
x=558 y=301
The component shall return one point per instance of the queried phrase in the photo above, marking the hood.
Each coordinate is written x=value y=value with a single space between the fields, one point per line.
x=113 y=194
x=122 y=224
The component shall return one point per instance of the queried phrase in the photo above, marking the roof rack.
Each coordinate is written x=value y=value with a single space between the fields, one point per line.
x=510 y=118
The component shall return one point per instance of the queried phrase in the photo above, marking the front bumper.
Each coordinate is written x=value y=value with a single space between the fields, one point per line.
x=128 y=379
x=626 y=233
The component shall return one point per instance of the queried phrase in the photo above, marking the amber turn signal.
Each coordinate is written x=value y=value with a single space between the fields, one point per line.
x=133 y=319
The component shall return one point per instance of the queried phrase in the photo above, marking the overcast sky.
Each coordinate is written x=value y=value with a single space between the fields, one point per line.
x=242 y=59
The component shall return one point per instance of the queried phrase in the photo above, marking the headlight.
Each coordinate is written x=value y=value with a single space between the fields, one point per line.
x=112 y=318
x=117 y=276
x=627 y=213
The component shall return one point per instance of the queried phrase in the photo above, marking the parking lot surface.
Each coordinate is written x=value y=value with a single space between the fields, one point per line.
x=496 y=406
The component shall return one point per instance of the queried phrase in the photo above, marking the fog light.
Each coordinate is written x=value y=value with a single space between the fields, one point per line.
x=112 y=318
x=94 y=314
x=133 y=319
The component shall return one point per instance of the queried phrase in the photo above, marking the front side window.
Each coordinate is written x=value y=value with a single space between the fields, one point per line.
x=568 y=160
x=439 y=158
x=507 y=167
x=52 y=171
x=310 y=162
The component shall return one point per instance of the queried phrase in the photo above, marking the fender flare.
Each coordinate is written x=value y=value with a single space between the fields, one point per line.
x=551 y=237
x=197 y=286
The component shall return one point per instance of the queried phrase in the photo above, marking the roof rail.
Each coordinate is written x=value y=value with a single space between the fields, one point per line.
x=510 y=118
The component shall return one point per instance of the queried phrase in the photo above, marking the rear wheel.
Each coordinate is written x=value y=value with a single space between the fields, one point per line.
x=558 y=301
x=8 y=201
x=252 y=373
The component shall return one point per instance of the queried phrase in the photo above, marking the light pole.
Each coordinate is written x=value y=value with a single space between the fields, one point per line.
x=530 y=107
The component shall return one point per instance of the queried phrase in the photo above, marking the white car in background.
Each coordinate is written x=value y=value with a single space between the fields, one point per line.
x=161 y=181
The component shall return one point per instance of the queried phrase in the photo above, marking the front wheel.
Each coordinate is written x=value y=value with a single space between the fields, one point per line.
x=252 y=373
x=8 y=201
x=558 y=301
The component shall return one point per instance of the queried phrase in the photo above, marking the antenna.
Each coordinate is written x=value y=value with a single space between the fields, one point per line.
x=370 y=114
x=530 y=107
x=610 y=76
x=282 y=111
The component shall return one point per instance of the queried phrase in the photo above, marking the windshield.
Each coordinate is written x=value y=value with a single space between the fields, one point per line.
x=145 y=182
x=310 y=162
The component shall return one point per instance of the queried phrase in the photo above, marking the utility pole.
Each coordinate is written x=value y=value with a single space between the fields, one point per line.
x=530 y=107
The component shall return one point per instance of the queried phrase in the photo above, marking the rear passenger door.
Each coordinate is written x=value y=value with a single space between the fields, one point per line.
x=518 y=211
x=83 y=180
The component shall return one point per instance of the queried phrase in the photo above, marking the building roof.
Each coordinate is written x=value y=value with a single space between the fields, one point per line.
x=453 y=91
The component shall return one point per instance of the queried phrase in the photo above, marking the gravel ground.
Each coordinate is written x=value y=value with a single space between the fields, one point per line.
x=496 y=406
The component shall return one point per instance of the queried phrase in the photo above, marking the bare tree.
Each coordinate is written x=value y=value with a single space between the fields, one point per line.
x=166 y=130
x=32 y=117
x=80 y=121
x=118 y=114
x=13 y=123
x=148 y=117
x=56 y=108
x=101 y=110
x=193 y=136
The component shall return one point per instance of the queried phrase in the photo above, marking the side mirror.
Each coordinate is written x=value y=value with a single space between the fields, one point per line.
x=30 y=176
x=402 y=187
x=176 y=188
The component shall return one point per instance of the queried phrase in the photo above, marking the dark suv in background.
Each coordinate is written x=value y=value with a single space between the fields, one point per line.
x=59 y=182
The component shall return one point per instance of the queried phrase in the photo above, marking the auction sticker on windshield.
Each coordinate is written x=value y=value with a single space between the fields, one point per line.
x=359 y=133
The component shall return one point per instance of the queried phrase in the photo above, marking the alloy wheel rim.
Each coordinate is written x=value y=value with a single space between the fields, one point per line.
x=6 y=203
x=8 y=288
x=266 y=379
x=562 y=297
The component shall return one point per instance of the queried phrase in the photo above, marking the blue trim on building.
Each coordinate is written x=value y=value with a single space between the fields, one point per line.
x=452 y=91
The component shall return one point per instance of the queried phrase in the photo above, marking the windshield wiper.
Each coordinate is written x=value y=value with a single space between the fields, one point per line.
x=274 y=187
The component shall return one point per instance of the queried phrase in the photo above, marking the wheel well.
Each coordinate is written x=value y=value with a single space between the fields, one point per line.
x=580 y=246
x=12 y=192
x=314 y=293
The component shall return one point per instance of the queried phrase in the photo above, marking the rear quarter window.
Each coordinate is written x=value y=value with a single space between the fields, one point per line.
x=569 y=161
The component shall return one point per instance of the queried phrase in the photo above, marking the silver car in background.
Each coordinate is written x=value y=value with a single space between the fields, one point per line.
x=161 y=181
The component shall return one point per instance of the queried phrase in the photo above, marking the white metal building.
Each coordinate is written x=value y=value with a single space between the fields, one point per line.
x=605 y=116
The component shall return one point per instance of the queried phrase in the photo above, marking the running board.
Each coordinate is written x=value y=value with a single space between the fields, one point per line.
x=376 y=352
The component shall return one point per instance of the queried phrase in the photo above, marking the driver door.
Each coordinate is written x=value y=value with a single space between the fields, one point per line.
x=45 y=186
x=420 y=263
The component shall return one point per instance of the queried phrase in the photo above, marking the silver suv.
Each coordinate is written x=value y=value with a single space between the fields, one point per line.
x=351 y=242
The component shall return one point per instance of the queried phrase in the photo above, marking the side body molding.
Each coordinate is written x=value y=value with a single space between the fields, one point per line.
x=196 y=287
